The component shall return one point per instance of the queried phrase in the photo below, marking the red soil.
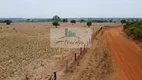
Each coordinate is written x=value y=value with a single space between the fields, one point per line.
x=126 y=53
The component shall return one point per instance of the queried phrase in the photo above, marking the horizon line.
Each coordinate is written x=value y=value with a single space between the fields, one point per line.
x=66 y=17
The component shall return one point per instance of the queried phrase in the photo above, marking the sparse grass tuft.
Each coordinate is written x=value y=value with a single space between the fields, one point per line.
x=27 y=78
x=13 y=29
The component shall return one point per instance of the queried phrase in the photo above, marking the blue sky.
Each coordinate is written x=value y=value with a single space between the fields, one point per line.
x=70 y=8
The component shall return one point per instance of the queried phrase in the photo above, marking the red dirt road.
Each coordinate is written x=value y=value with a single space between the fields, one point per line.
x=126 y=54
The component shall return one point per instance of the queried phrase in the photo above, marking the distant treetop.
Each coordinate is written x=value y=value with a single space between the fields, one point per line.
x=56 y=18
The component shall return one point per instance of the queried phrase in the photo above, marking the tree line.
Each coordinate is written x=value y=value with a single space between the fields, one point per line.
x=56 y=19
x=133 y=29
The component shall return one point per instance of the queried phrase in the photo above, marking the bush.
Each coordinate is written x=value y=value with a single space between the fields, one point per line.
x=56 y=23
x=123 y=21
x=89 y=23
x=14 y=29
x=110 y=21
x=65 y=20
x=81 y=21
x=73 y=21
x=8 y=22
x=133 y=29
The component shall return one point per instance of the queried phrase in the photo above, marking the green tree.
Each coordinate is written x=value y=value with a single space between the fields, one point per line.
x=8 y=22
x=89 y=23
x=81 y=21
x=56 y=24
x=123 y=21
x=110 y=21
x=65 y=20
x=56 y=18
x=73 y=21
x=28 y=20
x=133 y=29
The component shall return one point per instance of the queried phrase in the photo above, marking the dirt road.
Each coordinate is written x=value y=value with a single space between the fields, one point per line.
x=127 y=55
x=94 y=64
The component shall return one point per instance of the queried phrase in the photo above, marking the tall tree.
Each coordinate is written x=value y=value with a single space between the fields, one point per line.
x=56 y=18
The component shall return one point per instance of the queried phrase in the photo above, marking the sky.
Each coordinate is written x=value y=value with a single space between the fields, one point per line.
x=71 y=8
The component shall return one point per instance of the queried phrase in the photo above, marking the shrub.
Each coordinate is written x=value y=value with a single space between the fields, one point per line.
x=123 y=21
x=56 y=23
x=89 y=23
x=14 y=29
x=8 y=22
x=65 y=20
x=73 y=21
x=133 y=29
x=81 y=21
x=110 y=21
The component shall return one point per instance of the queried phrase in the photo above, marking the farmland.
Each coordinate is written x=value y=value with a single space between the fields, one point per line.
x=25 y=51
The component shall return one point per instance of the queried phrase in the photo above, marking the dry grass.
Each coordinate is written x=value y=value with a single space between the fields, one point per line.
x=25 y=48
x=19 y=49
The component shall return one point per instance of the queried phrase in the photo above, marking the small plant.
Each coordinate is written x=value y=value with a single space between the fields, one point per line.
x=56 y=23
x=89 y=23
x=27 y=78
x=14 y=29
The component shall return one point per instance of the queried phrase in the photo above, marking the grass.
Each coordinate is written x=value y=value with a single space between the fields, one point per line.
x=22 y=48
x=26 y=46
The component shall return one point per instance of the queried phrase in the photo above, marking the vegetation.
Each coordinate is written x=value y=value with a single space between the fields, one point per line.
x=56 y=23
x=65 y=20
x=73 y=21
x=1 y=21
x=89 y=23
x=110 y=21
x=81 y=21
x=133 y=29
x=28 y=20
x=56 y=18
x=99 y=21
x=8 y=22
x=123 y=21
